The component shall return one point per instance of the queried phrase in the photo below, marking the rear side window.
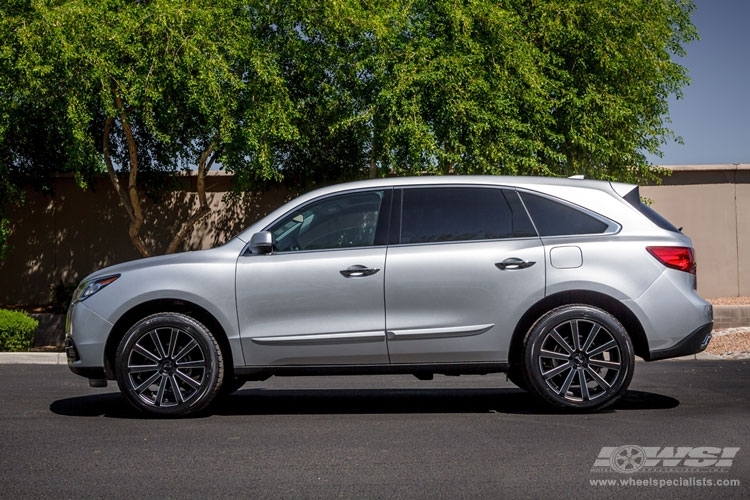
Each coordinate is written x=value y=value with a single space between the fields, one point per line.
x=552 y=218
x=462 y=214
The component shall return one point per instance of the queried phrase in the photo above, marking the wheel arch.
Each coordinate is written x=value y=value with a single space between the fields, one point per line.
x=586 y=297
x=140 y=311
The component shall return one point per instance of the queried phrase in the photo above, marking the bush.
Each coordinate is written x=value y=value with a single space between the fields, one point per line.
x=16 y=331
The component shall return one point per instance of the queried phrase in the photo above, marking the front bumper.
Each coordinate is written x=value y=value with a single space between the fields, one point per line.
x=85 y=339
x=90 y=372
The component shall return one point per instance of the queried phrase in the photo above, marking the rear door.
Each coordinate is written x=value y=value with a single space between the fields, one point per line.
x=464 y=264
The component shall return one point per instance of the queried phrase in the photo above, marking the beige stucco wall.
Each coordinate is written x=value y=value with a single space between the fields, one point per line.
x=65 y=236
x=712 y=205
x=62 y=237
x=743 y=233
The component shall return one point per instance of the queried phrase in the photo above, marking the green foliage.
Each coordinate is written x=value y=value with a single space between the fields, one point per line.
x=183 y=74
x=316 y=91
x=137 y=89
x=610 y=71
x=16 y=331
x=554 y=87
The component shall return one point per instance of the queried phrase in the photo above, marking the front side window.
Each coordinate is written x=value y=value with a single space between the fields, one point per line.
x=343 y=221
x=444 y=214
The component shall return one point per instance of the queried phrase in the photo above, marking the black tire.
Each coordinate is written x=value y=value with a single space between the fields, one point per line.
x=169 y=364
x=578 y=357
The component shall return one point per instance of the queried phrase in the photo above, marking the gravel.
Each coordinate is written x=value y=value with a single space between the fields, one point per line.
x=730 y=301
x=730 y=343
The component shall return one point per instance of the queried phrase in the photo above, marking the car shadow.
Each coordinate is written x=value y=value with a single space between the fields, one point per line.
x=354 y=401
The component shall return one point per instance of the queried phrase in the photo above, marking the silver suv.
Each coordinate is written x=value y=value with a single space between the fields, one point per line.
x=559 y=283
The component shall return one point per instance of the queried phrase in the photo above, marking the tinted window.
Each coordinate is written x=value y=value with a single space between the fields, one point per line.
x=556 y=219
x=344 y=221
x=461 y=214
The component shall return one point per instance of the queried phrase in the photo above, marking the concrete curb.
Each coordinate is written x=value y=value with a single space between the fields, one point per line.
x=731 y=316
x=33 y=358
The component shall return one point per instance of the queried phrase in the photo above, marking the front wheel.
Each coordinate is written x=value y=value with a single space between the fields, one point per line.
x=169 y=364
x=578 y=357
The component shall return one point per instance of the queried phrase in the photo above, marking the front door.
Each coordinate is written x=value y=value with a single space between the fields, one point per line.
x=318 y=297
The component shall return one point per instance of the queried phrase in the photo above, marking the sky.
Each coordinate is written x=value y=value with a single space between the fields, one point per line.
x=713 y=117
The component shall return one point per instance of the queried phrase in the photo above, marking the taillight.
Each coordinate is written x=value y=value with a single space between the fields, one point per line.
x=680 y=258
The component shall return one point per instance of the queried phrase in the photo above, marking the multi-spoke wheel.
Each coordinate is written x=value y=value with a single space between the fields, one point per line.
x=578 y=357
x=169 y=364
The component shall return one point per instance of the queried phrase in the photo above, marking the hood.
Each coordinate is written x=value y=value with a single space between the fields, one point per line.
x=230 y=251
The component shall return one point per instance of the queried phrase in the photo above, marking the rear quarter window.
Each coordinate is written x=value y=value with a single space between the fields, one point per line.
x=553 y=218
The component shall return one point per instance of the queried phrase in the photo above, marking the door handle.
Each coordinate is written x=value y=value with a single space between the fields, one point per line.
x=514 y=263
x=358 y=271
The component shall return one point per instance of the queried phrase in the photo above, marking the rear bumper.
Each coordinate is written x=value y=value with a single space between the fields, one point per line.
x=692 y=344
x=676 y=320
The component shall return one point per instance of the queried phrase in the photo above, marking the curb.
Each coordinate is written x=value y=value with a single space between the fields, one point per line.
x=731 y=316
x=33 y=358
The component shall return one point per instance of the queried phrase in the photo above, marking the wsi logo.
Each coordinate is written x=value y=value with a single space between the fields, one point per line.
x=631 y=458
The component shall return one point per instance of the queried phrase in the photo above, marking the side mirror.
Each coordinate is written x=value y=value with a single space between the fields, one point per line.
x=261 y=243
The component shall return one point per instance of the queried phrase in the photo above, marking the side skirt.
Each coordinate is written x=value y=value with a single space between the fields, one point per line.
x=420 y=370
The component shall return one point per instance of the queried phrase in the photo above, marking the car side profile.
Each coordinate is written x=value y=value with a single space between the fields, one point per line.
x=560 y=283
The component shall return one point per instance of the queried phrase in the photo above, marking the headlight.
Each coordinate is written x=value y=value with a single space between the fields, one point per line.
x=88 y=288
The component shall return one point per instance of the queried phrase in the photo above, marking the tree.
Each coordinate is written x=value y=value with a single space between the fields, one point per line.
x=555 y=87
x=31 y=135
x=155 y=87
x=611 y=68
x=316 y=91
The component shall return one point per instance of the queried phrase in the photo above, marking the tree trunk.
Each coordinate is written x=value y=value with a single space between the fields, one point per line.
x=124 y=201
x=129 y=199
x=204 y=165
x=373 y=162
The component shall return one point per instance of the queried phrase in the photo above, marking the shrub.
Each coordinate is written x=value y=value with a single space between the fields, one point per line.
x=16 y=331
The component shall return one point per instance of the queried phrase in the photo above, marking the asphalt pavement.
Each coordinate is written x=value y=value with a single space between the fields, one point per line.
x=467 y=437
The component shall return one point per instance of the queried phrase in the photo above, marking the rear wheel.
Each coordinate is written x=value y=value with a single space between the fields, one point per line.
x=169 y=364
x=578 y=357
